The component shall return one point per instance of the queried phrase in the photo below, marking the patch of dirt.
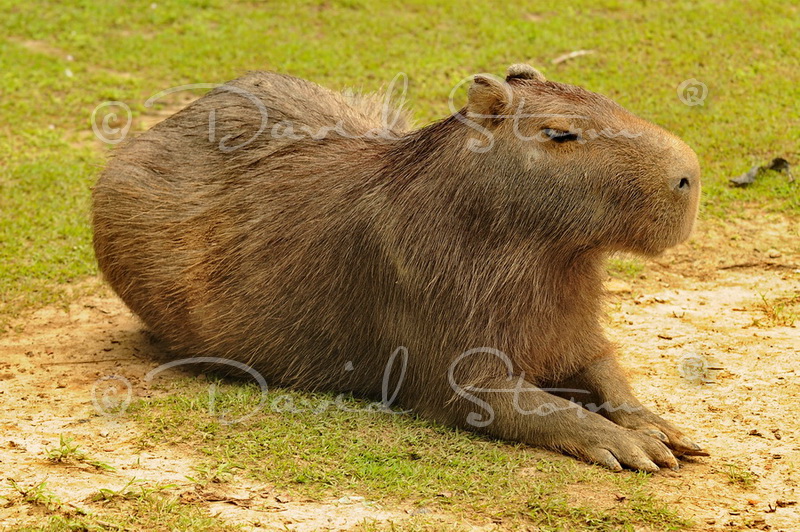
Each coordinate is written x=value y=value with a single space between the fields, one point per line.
x=711 y=303
x=700 y=304
x=598 y=497
x=57 y=368
x=45 y=48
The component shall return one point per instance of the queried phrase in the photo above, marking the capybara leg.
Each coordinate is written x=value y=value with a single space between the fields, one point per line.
x=603 y=388
x=513 y=409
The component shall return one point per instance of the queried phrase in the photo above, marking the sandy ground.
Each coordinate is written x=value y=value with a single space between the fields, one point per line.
x=700 y=304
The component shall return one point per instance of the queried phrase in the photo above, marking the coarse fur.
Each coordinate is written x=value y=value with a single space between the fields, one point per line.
x=310 y=233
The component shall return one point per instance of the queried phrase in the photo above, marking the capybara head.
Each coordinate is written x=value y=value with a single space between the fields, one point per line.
x=577 y=166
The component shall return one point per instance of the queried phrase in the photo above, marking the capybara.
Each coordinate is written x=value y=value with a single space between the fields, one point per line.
x=455 y=270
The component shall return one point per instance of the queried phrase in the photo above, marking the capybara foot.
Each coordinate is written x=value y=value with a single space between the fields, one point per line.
x=646 y=422
x=618 y=448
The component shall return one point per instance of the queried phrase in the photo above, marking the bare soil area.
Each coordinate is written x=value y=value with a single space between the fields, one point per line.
x=709 y=333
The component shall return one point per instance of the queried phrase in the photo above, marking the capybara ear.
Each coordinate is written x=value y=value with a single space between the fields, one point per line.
x=523 y=71
x=488 y=97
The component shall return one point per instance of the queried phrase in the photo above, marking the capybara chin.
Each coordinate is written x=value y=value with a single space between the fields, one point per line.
x=313 y=234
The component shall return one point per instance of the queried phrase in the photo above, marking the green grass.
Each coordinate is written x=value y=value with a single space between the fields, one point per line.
x=69 y=451
x=625 y=268
x=779 y=311
x=38 y=494
x=136 y=506
x=219 y=472
x=322 y=451
x=739 y=475
x=58 y=61
x=744 y=53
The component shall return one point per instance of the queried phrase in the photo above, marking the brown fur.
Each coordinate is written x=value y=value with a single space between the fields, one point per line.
x=300 y=256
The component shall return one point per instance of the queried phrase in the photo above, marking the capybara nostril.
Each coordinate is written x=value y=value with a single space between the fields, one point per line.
x=682 y=184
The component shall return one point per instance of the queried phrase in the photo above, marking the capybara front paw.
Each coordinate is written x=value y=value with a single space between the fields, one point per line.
x=620 y=448
x=652 y=425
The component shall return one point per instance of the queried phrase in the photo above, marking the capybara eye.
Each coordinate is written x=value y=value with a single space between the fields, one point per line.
x=558 y=135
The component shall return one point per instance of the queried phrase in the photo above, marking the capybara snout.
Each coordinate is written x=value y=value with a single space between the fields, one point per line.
x=311 y=234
